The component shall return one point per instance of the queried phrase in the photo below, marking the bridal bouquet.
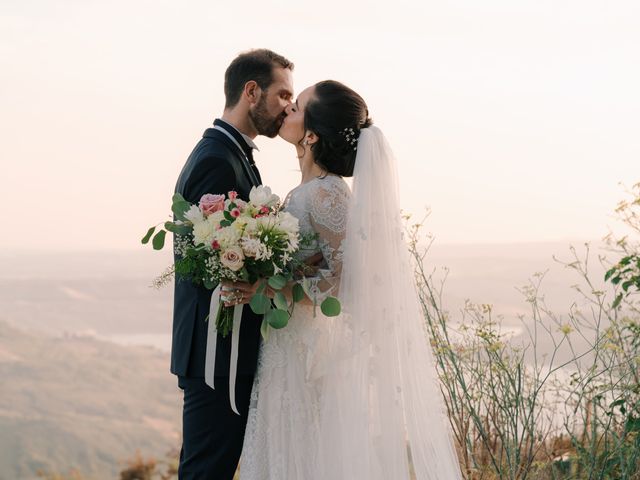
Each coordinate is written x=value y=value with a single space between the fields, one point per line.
x=226 y=238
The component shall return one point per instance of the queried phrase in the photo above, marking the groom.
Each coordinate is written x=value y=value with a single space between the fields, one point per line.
x=258 y=88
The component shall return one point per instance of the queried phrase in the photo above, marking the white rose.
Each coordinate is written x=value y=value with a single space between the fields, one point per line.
x=194 y=214
x=232 y=258
x=262 y=195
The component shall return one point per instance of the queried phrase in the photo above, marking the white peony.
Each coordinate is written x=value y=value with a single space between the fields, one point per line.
x=288 y=223
x=262 y=196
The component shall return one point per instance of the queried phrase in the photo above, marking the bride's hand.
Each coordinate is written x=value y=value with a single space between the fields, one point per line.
x=238 y=293
x=310 y=266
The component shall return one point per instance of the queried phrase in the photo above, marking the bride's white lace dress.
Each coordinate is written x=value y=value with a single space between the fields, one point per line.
x=283 y=425
x=353 y=397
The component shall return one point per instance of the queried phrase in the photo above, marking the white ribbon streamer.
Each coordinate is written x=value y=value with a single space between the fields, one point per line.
x=212 y=340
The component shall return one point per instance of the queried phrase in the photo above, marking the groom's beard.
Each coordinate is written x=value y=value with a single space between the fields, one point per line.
x=264 y=123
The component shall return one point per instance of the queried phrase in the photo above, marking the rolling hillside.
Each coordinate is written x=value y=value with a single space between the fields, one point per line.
x=77 y=402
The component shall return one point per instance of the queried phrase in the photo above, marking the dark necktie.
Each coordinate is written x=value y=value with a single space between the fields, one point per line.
x=252 y=164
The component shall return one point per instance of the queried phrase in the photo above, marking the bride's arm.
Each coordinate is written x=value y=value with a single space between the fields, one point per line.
x=328 y=215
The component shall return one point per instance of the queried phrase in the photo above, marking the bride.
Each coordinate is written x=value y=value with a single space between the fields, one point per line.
x=353 y=397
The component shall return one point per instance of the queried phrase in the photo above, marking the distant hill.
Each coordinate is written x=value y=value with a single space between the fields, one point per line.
x=79 y=402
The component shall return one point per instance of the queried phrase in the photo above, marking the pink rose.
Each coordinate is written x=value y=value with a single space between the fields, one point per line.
x=235 y=213
x=232 y=258
x=210 y=203
x=233 y=195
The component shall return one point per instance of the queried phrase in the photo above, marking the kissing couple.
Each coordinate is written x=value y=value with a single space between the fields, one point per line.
x=350 y=397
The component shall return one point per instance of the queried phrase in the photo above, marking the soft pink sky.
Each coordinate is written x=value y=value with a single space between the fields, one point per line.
x=514 y=121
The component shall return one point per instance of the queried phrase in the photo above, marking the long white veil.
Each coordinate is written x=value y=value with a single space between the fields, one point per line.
x=380 y=398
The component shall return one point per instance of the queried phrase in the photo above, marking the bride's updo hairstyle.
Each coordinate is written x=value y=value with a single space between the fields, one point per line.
x=336 y=114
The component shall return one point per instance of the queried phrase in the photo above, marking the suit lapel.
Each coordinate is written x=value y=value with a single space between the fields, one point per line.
x=248 y=171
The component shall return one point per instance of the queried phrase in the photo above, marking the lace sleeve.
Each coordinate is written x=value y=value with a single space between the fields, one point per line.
x=328 y=215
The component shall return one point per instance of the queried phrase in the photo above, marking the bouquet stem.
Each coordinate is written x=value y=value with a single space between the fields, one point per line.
x=224 y=320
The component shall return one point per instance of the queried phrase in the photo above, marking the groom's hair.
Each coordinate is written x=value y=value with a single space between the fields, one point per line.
x=256 y=65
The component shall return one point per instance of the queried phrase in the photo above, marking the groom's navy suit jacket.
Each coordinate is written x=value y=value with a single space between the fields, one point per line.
x=215 y=166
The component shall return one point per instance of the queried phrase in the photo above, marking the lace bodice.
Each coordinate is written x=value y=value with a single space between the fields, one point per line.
x=321 y=207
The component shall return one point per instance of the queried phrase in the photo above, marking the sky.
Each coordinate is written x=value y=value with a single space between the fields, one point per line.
x=513 y=121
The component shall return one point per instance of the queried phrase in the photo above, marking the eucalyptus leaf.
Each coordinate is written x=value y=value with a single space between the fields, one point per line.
x=297 y=292
x=147 y=237
x=264 y=330
x=330 y=307
x=277 y=318
x=277 y=282
x=281 y=301
x=177 y=198
x=158 y=240
x=260 y=304
x=179 y=208
x=178 y=229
